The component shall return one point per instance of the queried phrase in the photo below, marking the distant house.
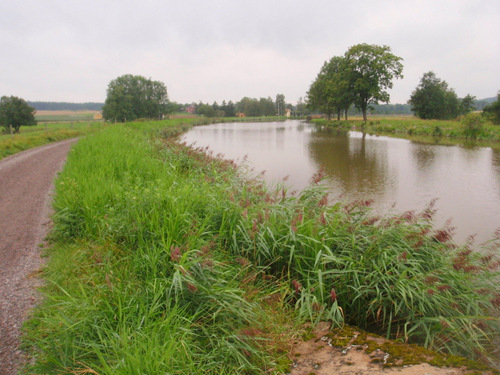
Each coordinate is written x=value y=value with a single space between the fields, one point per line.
x=240 y=114
x=98 y=116
x=288 y=112
x=191 y=109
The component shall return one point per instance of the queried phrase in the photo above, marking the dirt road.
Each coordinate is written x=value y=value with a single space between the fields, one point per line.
x=26 y=181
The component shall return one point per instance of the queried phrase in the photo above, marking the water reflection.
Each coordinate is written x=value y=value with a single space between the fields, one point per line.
x=353 y=164
x=393 y=172
x=424 y=155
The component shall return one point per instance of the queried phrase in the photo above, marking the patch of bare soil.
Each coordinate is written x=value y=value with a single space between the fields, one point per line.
x=321 y=355
x=26 y=182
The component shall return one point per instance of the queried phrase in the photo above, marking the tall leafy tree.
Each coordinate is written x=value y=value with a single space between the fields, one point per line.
x=16 y=112
x=371 y=70
x=331 y=91
x=318 y=97
x=130 y=97
x=433 y=99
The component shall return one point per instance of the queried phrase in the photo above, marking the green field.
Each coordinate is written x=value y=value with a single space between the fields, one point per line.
x=167 y=260
x=41 y=134
x=64 y=116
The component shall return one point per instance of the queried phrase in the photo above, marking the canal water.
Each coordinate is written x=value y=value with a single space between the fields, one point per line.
x=397 y=174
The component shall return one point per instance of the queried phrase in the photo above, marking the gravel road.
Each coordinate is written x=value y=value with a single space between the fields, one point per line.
x=26 y=183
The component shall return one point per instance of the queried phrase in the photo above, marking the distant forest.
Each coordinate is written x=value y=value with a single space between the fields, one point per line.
x=381 y=109
x=481 y=103
x=64 y=106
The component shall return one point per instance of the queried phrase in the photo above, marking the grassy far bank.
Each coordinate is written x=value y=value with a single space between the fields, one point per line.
x=165 y=260
x=431 y=131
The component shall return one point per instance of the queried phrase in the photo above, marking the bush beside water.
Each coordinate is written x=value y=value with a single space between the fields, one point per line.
x=167 y=260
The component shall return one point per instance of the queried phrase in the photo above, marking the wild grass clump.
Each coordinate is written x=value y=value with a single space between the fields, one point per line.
x=170 y=262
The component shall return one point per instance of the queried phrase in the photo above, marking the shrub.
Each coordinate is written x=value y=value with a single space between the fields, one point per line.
x=473 y=125
x=437 y=132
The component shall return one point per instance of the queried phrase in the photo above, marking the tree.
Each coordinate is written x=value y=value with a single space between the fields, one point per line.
x=360 y=77
x=131 y=97
x=253 y=107
x=432 y=99
x=317 y=96
x=467 y=104
x=16 y=112
x=280 y=104
x=331 y=91
x=300 y=108
x=493 y=110
x=266 y=106
x=207 y=110
x=371 y=70
x=229 y=109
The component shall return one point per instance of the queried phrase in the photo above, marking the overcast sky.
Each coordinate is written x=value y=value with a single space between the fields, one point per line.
x=211 y=50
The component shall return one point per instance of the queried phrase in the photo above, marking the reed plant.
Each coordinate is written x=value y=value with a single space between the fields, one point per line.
x=169 y=259
x=395 y=275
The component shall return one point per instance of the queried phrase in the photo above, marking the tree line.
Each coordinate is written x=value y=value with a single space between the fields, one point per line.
x=250 y=107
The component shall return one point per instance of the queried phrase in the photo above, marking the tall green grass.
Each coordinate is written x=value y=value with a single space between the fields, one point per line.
x=150 y=291
x=168 y=261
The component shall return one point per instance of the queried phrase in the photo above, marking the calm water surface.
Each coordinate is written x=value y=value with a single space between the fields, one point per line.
x=398 y=174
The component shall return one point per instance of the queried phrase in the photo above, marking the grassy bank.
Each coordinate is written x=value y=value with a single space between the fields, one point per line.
x=34 y=136
x=433 y=131
x=166 y=260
